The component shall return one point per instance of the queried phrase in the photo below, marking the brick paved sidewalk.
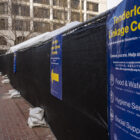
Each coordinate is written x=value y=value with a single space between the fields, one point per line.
x=13 y=119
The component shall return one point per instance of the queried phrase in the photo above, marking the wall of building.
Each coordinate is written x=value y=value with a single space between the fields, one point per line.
x=31 y=17
x=112 y=3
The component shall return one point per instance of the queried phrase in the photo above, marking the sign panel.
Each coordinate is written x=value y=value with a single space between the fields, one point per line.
x=14 y=63
x=123 y=45
x=56 y=67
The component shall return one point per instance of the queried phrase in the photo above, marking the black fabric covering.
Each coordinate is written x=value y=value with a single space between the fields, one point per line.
x=82 y=114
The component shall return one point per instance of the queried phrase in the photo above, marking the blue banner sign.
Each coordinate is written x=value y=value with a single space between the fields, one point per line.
x=123 y=45
x=56 y=67
x=14 y=63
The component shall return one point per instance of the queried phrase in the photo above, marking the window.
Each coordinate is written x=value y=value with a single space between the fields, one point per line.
x=15 y=9
x=20 y=10
x=92 y=6
x=75 y=16
x=41 y=27
x=3 y=41
x=60 y=15
x=41 y=12
x=3 y=24
x=26 y=0
x=62 y=3
x=42 y=1
x=25 y=11
x=3 y=8
x=19 y=39
x=75 y=4
x=21 y=25
x=89 y=16
x=15 y=1
x=57 y=26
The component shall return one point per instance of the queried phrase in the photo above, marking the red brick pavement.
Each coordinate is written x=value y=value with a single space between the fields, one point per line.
x=13 y=119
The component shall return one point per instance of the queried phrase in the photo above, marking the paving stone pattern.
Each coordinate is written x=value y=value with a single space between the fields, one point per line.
x=13 y=119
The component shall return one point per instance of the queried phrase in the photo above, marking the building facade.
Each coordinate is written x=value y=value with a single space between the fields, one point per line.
x=23 y=19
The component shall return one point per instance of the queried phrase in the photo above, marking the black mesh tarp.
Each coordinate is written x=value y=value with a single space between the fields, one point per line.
x=82 y=114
